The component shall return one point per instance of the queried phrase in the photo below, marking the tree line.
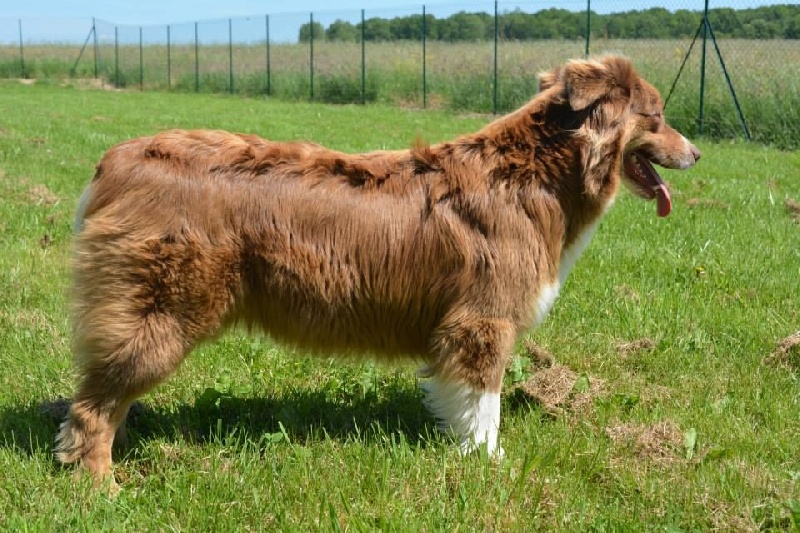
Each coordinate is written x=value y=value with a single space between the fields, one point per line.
x=766 y=22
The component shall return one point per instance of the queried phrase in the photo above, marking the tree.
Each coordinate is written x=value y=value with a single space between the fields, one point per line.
x=408 y=28
x=760 y=29
x=464 y=26
x=341 y=30
x=793 y=28
x=766 y=22
x=377 y=29
x=516 y=25
x=306 y=32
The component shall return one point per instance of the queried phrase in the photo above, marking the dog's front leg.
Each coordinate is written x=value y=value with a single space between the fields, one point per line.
x=464 y=390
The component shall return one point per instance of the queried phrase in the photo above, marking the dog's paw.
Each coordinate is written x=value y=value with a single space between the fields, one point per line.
x=492 y=449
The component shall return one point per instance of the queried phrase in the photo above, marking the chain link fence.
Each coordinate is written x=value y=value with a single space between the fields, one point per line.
x=724 y=72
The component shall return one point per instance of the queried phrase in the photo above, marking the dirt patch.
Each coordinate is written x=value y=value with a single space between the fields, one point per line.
x=706 y=202
x=41 y=195
x=793 y=207
x=659 y=443
x=786 y=354
x=625 y=292
x=540 y=358
x=557 y=388
x=626 y=348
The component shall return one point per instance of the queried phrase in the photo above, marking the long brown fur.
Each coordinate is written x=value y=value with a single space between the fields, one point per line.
x=436 y=252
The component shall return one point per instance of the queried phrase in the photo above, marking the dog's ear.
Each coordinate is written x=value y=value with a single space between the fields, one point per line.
x=549 y=78
x=586 y=82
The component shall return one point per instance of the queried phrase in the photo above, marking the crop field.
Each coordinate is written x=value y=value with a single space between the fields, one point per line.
x=671 y=403
x=458 y=76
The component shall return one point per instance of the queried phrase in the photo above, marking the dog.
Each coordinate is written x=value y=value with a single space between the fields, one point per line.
x=443 y=253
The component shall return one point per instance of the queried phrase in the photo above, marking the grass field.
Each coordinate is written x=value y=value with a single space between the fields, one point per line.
x=672 y=405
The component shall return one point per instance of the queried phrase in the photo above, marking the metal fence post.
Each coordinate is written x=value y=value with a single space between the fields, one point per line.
x=588 y=25
x=424 y=73
x=141 y=60
x=363 y=63
x=96 y=47
x=700 y=111
x=116 y=56
x=266 y=25
x=169 y=61
x=23 y=74
x=311 y=53
x=196 y=59
x=494 y=89
x=230 y=56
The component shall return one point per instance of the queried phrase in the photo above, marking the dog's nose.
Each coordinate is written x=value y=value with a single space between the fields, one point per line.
x=695 y=153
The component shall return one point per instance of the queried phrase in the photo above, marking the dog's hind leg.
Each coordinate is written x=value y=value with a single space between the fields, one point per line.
x=466 y=379
x=117 y=364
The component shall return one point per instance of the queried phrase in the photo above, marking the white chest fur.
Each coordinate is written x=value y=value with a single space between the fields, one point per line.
x=569 y=256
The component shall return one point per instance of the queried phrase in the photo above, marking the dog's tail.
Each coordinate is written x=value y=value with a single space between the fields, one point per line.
x=80 y=212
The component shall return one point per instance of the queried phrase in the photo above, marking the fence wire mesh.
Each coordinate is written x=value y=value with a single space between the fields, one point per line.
x=730 y=74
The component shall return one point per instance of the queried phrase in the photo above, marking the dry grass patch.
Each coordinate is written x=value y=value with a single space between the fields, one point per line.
x=626 y=292
x=41 y=195
x=727 y=516
x=786 y=354
x=540 y=357
x=706 y=202
x=793 y=207
x=660 y=443
x=626 y=348
x=556 y=387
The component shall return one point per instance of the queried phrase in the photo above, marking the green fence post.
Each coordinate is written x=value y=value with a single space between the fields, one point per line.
x=311 y=53
x=424 y=73
x=196 y=59
x=700 y=111
x=21 y=53
x=169 y=61
x=116 y=56
x=588 y=25
x=96 y=48
x=230 y=56
x=494 y=89
x=266 y=26
x=363 y=63
x=141 y=60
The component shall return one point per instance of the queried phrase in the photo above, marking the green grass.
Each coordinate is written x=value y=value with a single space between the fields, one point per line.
x=247 y=436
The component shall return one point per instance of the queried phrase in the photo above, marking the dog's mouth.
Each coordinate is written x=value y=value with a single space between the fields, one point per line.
x=645 y=181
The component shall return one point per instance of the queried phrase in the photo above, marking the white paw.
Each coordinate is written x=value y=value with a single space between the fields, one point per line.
x=492 y=448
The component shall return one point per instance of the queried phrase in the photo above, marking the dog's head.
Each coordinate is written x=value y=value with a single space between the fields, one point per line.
x=614 y=102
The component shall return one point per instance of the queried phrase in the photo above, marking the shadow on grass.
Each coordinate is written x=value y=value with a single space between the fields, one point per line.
x=302 y=416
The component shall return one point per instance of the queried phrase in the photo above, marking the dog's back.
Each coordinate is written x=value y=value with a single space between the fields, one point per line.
x=277 y=236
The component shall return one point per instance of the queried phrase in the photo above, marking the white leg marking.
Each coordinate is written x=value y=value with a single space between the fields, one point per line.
x=547 y=297
x=473 y=417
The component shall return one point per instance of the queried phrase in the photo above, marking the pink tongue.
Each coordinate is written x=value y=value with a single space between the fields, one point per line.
x=663 y=199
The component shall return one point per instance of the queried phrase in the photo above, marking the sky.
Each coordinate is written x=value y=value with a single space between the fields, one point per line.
x=70 y=20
